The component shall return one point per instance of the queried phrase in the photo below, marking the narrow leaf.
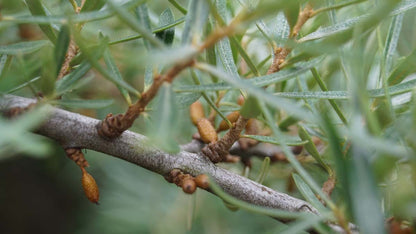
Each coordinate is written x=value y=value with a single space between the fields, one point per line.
x=24 y=84
x=196 y=17
x=75 y=18
x=164 y=120
x=290 y=107
x=342 y=95
x=61 y=47
x=128 y=19
x=311 y=148
x=365 y=200
x=307 y=193
x=142 y=14
x=288 y=140
x=36 y=8
x=391 y=42
x=69 y=81
x=291 y=12
x=109 y=61
x=251 y=108
x=92 y=5
x=403 y=69
x=167 y=35
x=23 y=47
x=260 y=81
x=87 y=104
x=92 y=55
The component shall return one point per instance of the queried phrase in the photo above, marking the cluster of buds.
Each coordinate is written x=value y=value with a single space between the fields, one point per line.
x=187 y=182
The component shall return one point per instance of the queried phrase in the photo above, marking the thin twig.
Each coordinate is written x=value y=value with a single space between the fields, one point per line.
x=72 y=47
x=114 y=125
x=280 y=54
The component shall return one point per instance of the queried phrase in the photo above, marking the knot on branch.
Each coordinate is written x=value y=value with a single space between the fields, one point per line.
x=15 y=111
x=76 y=155
x=112 y=126
x=215 y=152
x=218 y=151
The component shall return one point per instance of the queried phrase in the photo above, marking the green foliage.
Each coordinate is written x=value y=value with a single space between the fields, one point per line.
x=348 y=80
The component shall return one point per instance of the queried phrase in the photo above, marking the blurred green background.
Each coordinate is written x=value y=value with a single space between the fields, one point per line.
x=40 y=191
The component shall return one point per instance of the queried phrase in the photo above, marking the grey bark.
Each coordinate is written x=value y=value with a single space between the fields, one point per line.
x=75 y=130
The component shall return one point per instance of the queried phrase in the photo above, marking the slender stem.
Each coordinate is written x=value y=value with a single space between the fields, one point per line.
x=178 y=6
x=74 y=4
x=335 y=7
x=323 y=87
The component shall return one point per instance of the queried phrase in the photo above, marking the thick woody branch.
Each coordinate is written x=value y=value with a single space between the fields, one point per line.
x=76 y=131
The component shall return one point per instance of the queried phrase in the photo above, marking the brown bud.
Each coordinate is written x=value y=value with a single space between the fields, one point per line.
x=240 y=100
x=207 y=131
x=90 y=187
x=196 y=112
x=232 y=117
x=231 y=158
x=202 y=181
x=188 y=185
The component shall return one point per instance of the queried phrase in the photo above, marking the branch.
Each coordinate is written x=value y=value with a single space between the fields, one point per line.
x=77 y=131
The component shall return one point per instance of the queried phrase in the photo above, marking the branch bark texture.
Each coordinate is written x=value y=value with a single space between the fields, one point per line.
x=77 y=131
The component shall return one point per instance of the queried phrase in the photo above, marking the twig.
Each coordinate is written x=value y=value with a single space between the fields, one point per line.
x=280 y=54
x=72 y=47
x=114 y=125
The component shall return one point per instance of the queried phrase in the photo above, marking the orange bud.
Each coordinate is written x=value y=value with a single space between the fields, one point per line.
x=232 y=117
x=240 y=100
x=90 y=187
x=189 y=186
x=196 y=112
x=206 y=131
x=202 y=181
